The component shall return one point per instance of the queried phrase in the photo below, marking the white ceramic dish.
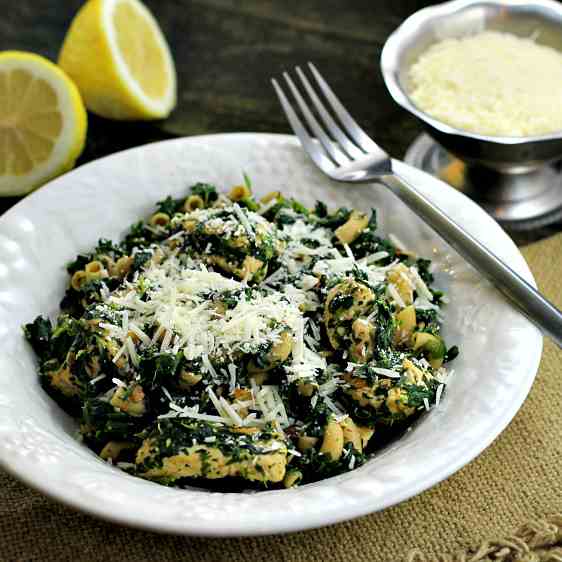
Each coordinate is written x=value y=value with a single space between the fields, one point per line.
x=500 y=350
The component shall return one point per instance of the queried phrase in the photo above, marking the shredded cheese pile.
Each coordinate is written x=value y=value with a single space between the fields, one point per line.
x=177 y=300
x=491 y=83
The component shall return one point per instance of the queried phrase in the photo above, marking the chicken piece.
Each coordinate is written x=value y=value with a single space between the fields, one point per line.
x=388 y=400
x=345 y=311
x=234 y=240
x=225 y=452
x=129 y=400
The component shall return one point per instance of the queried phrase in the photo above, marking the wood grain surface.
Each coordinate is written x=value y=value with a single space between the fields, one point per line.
x=226 y=51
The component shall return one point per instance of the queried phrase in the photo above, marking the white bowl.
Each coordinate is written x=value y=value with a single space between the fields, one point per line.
x=500 y=350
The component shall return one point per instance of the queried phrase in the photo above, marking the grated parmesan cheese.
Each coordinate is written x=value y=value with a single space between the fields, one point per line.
x=186 y=412
x=208 y=366
x=232 y=377
x=421 y=287
x=166 y=340
x=491 y=83
x=348 y=252
x=243 y=219
x=132 y=352
x=395 y=295
x=122 y=351
x=377 y=256
x=438 y=394
x=387 y=372
x=231 y=412
x=140 y=334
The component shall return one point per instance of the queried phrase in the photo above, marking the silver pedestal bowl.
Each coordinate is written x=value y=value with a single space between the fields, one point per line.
x=515 y=178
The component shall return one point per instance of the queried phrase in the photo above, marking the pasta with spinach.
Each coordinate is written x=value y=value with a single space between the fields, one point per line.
x=254 y=342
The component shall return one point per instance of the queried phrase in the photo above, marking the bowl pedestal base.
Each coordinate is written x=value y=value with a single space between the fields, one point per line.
x=518 y=201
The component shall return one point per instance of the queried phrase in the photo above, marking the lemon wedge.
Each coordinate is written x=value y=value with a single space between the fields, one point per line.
x=42 y=122
x=120 y=61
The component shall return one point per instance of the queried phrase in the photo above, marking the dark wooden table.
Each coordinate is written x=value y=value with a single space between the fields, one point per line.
x=225 y=53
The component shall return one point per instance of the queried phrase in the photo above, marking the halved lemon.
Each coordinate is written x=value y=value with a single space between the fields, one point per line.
x=42 y=122
x=120 y=61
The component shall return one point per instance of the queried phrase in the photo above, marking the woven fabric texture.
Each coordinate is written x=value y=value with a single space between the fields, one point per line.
x=535 y=541
x=517 y=479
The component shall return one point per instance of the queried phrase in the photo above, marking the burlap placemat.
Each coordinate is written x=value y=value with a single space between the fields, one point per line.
x=517 y=479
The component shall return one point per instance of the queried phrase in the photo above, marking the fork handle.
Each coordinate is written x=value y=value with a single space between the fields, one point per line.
x=527 y=299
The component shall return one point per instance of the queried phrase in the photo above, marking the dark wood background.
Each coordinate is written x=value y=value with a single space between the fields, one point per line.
x=225 y=53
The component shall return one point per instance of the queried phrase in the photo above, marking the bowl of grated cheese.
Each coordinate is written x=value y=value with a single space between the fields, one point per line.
x=484 y=77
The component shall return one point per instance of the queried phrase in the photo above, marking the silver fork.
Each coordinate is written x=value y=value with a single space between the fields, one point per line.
x=345 y=153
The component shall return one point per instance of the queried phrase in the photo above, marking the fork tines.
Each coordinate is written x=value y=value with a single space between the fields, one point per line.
x=338 y=144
